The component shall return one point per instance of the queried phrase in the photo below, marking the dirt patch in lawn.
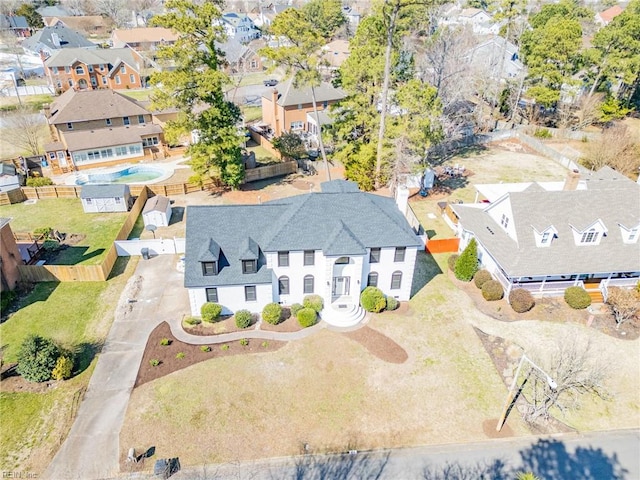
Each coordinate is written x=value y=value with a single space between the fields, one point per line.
x=178 y=355
x=379 y=345
x=551 y=309
x=12 y=381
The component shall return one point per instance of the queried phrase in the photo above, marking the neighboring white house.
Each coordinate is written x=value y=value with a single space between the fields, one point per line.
x=105 y=198
x=240 y=27
x=333 y=243
x=499 y=58
x=480 y=21
x=157 y=211
x=547 y=236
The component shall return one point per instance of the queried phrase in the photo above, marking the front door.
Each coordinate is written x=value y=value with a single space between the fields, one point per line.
x=340 y=286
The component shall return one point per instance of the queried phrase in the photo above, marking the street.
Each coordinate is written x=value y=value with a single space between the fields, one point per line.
x=591 y=456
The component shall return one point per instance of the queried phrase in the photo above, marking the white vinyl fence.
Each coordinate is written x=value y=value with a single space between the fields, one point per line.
x=157 y=246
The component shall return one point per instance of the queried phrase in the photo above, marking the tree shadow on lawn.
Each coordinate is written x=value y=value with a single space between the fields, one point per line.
x=83 y=355
x=425 y=270
x=28 y=294
x=547 y=458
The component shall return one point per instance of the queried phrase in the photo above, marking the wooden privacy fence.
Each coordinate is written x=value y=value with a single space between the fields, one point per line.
x=445 y=245
x=86 y=273
x=275 y=170
x=12 y=196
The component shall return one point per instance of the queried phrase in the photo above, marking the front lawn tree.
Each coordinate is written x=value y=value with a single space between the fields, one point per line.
x=624 y=304
x=195 y=86
x=576 y=370
x=301 y=58
x=37 y=358
x=290 y=145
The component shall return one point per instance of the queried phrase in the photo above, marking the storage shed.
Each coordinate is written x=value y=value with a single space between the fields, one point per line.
x=157 y=211
x=105 y=198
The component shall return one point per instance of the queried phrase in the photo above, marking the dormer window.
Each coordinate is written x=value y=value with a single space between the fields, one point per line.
x=209 y=268
x=545 y=238
x=249 y=266
x=589 y=237
x=633 y=235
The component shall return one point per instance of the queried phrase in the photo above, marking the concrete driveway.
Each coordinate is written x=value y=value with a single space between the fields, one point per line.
x=92 y=448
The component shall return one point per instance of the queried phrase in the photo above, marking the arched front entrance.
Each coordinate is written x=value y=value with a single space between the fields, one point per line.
x=82 y=84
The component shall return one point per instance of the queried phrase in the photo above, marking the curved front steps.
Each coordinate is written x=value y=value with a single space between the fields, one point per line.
x=343 y=315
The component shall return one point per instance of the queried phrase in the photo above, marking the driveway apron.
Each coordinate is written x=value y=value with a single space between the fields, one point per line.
x=92 y=448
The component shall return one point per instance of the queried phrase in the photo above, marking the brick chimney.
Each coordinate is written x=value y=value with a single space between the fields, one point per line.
x=274 y=106
x=572 y=180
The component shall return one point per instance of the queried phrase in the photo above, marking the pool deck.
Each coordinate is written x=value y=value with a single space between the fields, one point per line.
x=168 y=166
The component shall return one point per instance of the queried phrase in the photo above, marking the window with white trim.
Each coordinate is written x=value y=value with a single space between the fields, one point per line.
x=209 y=268
x=132 y=78
x=79 y=70
x=372 y=279
x=400 y=253
x=589 y=237
x=69 y=126
x=504 y=221
x=117 y=79
x=396 y=280
x=249 y=266
x=126 y=120
x=309 y=257
x=141 y=119
x=283 y=259
x=90 y=68
x=297 y=125
x=212 y=295
x=108 y=122
x=250 y=293
x=308 y=284
x=545 y=237
x=283 y=285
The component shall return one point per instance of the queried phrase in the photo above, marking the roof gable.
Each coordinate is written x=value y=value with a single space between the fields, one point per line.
x=210 y=252
x=343 y=242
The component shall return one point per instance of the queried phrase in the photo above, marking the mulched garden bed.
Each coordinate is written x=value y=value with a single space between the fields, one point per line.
x=166 y=354
x=226 y=324
x=379 y=345
x=289 y=323
x=550 y=309
x=12 y=381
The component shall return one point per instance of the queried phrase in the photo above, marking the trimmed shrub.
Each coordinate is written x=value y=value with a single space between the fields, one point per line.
x=180 y=355
x=192 y=321
x=205 y=348
x=492 y=291
x=272 y=313
x=46 y=232
x=307 y=317
x=392 y=303
x=451 y=261
x=165 y=341
x=577 y=298
x=51 y=245
x=243 y=318
x=63 y=368
x=37 y=358
x=481 y=277
x=39 y=181
x=224 y=347
x=154 y=362
x=244 y=342
x=542 y=133
x=467 y=263
x=295 y=308
x=521 y=300
x=373 y=300
x=264 y=344
x=210 y=311
x=313 y=301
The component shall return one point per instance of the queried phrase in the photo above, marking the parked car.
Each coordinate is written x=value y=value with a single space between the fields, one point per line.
x=272 y=82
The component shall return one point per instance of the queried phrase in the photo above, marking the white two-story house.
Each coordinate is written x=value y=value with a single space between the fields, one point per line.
x=240 y=27
x=333 y=243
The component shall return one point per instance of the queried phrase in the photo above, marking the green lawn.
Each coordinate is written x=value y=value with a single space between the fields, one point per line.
x=63 y=311
x=138 y=94
x=251 y=114
x=66 y=216
x=9 y=104
x=78 y=315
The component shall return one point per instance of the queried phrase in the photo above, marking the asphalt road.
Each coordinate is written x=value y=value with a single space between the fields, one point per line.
x=593 y=456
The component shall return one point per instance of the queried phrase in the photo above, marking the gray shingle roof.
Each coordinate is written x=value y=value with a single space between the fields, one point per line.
x=108 y=137
x=13 y=21
x=104 y=191
x=68 y=39
x=156 y=204
x=85 y=105
x=110 y=56
x=612 y=199
x=288 y=95
x=338 y=221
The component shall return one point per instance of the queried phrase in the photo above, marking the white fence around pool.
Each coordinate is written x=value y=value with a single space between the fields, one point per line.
x=156 y=246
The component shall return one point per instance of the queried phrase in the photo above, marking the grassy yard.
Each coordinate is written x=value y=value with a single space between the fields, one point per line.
x=36 y=421
x=142 y=95
x=9 y=104
x=329 y=391
x=262 y=154
x=67 y=216
x=251 y=114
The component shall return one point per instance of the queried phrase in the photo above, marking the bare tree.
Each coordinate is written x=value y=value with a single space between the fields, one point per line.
x=576 y=370
x=117 y=10
x=9 y=7
x=624 y=304
x=76 y=7
x=145 y=9
x=27 y=131
x=619 y=148
x=588 y=110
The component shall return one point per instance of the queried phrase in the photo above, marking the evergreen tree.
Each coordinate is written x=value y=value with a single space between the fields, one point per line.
x=37 y=358
x=195 y=86
x=467 y=263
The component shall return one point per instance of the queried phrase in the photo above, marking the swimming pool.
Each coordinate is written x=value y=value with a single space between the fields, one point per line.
x=132 y=174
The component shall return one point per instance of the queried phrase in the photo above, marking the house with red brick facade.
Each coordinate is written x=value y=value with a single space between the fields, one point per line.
x=82 y=69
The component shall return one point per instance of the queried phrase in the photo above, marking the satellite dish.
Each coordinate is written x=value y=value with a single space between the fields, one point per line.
x=152 y=228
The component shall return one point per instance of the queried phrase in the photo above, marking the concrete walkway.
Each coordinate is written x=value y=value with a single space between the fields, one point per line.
x=92 y=448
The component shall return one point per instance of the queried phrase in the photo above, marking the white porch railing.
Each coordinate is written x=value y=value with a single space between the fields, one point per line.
x=617 y=282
